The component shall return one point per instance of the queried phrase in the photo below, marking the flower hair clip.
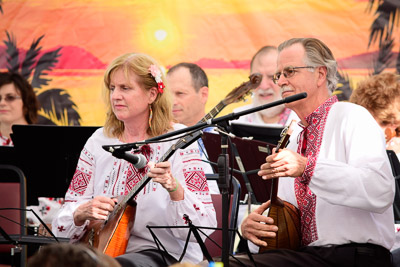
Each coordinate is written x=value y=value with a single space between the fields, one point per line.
x=156 y=73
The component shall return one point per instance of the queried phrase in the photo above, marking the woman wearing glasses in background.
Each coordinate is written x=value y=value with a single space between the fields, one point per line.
x=18 y=104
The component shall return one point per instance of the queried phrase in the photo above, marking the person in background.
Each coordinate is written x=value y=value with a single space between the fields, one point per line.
x=264 y=62
x=335 y=171
x=394 y=142
x=67 y=255
x=18 y=104
x=380 y=94
x=189 y=86
x=139 y=108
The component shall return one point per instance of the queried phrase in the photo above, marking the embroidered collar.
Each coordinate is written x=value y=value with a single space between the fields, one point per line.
x=315 y=117
x=5 y=141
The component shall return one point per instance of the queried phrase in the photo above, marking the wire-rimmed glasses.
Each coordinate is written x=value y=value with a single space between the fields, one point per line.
x=288 y=72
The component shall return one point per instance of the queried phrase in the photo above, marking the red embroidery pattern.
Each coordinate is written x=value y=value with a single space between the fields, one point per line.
x=134 y=175
x=306 y=199
x=132 y=178
x=79 y=182
x=195 y=179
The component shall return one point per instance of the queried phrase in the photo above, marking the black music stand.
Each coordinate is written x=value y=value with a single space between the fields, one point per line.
x=251 y=155
x=265 y=133
x=22 y=239
x=48 y=156
x=196 y=231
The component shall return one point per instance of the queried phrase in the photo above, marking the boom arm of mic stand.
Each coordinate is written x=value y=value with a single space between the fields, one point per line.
x=229 y=117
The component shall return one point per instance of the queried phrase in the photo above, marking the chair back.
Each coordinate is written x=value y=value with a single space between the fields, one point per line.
x=12 y=204
x=395 y=164
x=216 y=236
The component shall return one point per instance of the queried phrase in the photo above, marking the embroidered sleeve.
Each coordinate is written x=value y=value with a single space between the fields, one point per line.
x=83 y=173
x=78 y=192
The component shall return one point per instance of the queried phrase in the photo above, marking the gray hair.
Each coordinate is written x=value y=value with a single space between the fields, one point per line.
x=317 y=54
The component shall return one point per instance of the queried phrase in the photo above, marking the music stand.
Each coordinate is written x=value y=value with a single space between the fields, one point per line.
x=251 y=155
x=48 y=156
x=265 y=133
x=196 y=231
x=8 y=155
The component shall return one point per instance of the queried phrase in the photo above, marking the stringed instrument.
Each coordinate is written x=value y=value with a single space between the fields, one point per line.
x=236 y=95
x=286 y=216
x=111 y=236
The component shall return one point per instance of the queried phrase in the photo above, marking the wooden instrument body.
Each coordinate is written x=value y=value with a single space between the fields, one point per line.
x=285 y=215
x=111 y=237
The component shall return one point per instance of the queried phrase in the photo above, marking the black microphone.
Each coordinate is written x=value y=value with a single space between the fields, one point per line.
x=138 y=160
x=295 y=97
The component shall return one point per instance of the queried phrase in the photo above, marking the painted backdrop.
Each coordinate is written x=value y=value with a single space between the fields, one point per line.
x=64 y=46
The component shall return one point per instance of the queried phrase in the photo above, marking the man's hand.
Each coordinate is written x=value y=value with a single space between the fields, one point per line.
x=256 y=225
x=283 y=164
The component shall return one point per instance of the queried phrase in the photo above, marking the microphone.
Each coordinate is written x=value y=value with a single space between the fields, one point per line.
x=138 y=160
x=294 y=97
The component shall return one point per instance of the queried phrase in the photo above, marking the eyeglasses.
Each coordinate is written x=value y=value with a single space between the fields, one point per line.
x=288 y=72
x=9 y=98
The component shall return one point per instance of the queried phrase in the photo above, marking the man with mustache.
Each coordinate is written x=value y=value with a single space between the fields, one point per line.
x=335 y=170
x=264 y=62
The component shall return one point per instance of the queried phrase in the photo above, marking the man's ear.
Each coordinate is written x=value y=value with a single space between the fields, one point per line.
x=322 y=75
x=152 y=94
x=204 y=94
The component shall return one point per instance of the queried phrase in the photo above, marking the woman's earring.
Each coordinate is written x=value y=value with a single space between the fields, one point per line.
x=151 y=115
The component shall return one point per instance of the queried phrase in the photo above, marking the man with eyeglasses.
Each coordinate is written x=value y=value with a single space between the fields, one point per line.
x=264 y=62
x=336 y=172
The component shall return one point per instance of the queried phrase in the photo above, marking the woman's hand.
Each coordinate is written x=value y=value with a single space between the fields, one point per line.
x=255 y=226
x=161 y=173
x=96 y=209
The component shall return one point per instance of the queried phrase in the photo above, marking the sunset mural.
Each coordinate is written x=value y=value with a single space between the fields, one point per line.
x=220 y=36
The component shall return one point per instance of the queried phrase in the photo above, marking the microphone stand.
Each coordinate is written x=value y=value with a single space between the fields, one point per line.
x=223 y=183
x=228 y=117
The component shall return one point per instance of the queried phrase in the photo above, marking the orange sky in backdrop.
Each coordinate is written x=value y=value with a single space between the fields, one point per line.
x=181 y=30
x=229 y=30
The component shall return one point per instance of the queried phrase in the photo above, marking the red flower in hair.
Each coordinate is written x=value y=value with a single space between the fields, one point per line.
x=156 y=73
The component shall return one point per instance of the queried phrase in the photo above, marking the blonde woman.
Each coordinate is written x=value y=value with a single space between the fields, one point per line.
x=139 y=108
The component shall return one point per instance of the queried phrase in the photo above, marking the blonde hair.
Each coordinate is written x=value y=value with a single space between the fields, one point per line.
x=380 y=94
x=138 y=64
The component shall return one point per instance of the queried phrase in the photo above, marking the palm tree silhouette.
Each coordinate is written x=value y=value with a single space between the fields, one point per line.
x=381 y=30
x=57 y=108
